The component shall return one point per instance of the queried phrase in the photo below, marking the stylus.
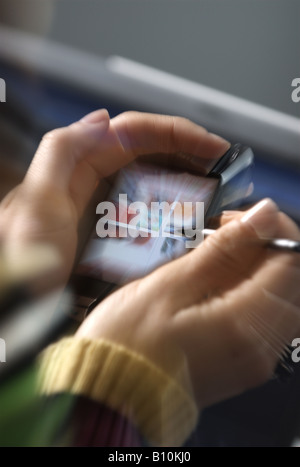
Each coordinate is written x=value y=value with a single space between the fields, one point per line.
x=283 y=244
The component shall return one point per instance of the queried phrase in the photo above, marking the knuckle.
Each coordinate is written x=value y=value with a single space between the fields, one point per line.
x=129 y=115
x=56 y=137
x=251 y=353
x=173 y=124
x=177 y=119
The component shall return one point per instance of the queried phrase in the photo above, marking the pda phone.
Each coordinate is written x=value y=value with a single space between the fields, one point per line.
x=113 y=260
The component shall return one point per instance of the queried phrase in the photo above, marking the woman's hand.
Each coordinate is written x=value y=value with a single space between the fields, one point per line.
x=222 y=314
x=70 y=162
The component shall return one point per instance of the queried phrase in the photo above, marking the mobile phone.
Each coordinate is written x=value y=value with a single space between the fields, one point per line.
x=108 y=261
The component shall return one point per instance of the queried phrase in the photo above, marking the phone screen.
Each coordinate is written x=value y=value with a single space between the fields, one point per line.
x=121 y=258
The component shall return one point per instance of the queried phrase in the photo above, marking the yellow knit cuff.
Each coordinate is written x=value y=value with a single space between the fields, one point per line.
x=125 y=381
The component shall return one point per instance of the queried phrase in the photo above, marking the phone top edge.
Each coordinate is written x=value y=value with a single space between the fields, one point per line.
x=227 y=159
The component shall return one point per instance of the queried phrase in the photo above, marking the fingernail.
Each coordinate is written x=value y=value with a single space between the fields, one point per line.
x=229 y=213
x=261 y=217
x=95 y=117
x=219 y=138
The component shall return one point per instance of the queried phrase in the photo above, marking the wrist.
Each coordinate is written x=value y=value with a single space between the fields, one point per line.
x=156 y=402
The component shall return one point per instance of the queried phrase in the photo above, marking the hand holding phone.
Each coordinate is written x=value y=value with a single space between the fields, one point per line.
x=149 y=201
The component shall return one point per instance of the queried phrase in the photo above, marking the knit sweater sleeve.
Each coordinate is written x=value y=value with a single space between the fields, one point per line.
x=155 y=402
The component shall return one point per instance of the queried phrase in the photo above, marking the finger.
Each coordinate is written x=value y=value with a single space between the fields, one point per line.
x=109 y=147
x=225 y=259
x=78 y=156
x=133 y=134
x=144 y=133
x=228 y=216
x=285 y=225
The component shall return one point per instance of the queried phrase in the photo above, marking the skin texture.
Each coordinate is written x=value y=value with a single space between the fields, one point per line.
x=223 y=313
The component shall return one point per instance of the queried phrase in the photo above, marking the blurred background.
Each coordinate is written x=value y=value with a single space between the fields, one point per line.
x=226 y=64
x=249 y=48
